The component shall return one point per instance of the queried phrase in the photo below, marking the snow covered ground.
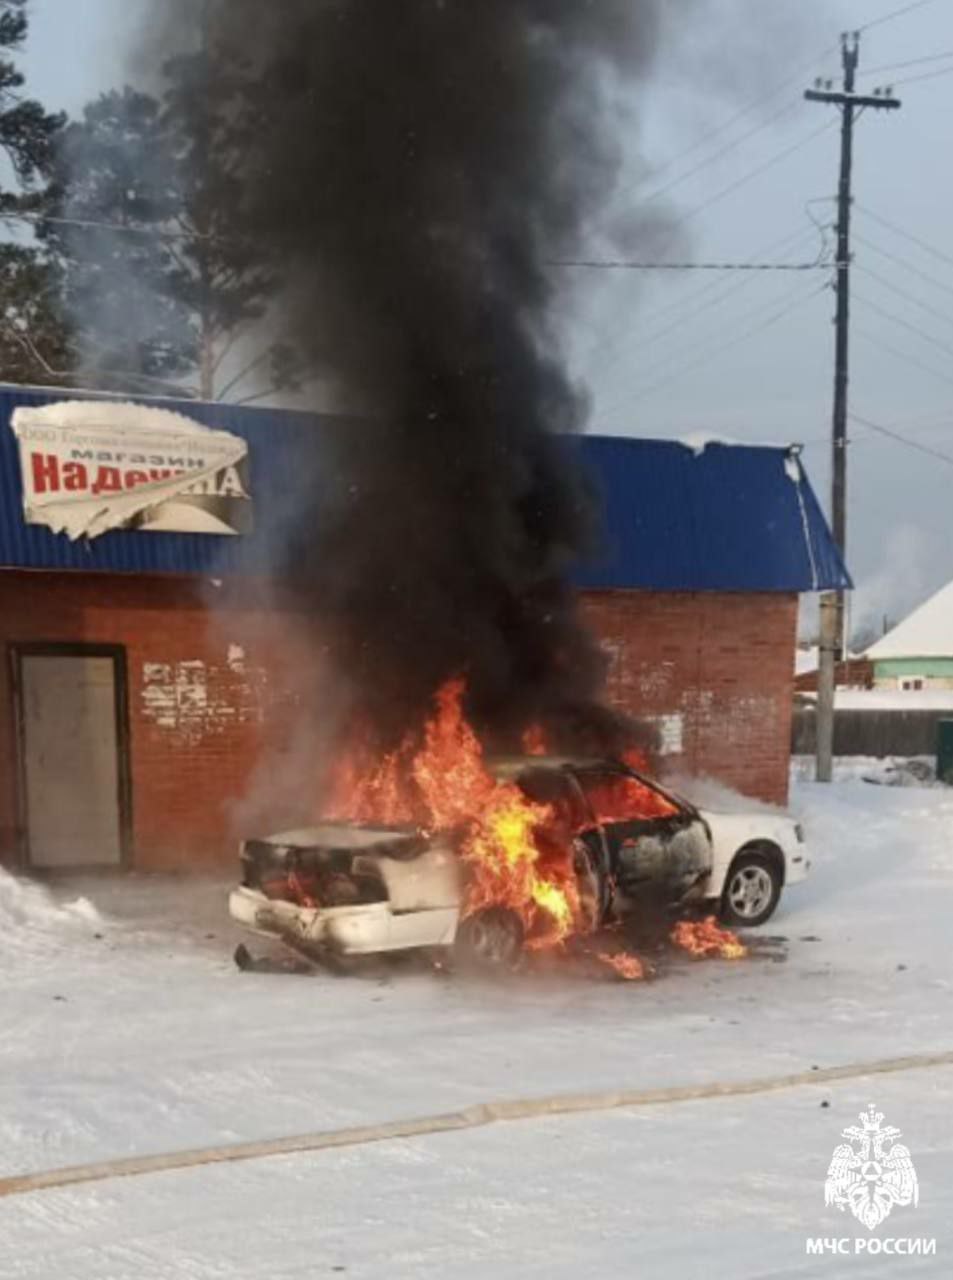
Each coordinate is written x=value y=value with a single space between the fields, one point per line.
x=127 y=1030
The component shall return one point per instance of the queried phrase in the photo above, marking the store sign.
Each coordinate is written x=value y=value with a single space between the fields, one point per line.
x=88 y=467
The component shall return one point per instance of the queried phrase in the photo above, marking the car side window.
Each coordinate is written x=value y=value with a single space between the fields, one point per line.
x=556 y=789
x=621 y=797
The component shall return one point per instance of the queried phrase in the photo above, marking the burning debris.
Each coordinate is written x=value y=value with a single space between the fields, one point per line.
x=707 y=938
x=628 y=967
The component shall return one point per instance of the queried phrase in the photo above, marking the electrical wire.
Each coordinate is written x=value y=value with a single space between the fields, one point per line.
x=897 y=13
x=944 y=428
x=907 y=235
x=786 y=110
x=903 y=263
x=693 y=305
x=711 y=352
x=877 y=341
x=617 y=264
x=904 y=324
x=749 y=176
x=902 y=293
x=927 y=75
x=910 y=62
x=159 y=233
x=754 y=173
x=731 y=122
x=900 y=439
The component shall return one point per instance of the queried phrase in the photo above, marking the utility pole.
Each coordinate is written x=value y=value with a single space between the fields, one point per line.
x=832 y=641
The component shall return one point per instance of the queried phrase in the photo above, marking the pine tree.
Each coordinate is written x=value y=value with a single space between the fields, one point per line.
x=162 y=288
x=33 y=338
x=112 y=218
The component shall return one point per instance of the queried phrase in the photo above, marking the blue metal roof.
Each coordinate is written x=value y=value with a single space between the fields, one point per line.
x=728 y=518
x=722 y=518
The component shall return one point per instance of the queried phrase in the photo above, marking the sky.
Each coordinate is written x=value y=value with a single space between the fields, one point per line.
x=723 y=147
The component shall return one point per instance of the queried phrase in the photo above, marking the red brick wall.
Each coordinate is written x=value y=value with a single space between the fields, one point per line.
x=716 y=670
x=219 y=699
x=213 y=699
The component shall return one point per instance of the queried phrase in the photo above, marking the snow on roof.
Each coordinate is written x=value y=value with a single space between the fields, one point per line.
x=698 y=442
x=925 y=633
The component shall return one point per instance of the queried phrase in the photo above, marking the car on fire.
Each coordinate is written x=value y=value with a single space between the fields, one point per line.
x=341 y=889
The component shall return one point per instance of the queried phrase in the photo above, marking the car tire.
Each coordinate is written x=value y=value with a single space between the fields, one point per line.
x=489 y=941
x=752 y=890
x=592 y=884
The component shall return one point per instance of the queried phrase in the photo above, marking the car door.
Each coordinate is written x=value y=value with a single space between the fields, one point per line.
x=654 y=841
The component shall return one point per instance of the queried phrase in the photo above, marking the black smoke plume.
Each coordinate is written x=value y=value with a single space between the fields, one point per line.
x=416 y=167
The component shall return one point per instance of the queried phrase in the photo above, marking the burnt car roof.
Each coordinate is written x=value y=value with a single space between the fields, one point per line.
x=512 y=766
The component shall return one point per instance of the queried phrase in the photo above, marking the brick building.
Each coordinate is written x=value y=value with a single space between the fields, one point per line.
x=153 y=682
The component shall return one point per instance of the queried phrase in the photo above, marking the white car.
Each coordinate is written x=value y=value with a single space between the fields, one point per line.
x=340 y=889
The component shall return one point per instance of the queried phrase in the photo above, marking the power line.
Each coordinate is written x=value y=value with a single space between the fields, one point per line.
x=751 y=175
x=907 y=235
x=610 y=264
x=905 y=324
x=731 y=122
x=611 y=350
x=905 y=265
x=901 y=439
x=927 y=75
x=710 y=353
x=944 y=427
x=902 y=293
x=877 y=341
x=695 y=308
x=897 y=13
x=687 y=309
x=910 y=62
x=719 y=154
x=754 y=173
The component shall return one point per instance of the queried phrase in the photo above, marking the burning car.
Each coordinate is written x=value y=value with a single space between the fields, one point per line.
x=565 y=846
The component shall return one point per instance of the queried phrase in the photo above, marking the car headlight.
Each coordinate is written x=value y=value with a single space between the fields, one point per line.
x=798 y=833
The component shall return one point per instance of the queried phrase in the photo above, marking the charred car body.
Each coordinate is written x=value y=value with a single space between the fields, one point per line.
x=347 y=889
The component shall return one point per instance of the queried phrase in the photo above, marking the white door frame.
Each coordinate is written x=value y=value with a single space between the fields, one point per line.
x=51 y=649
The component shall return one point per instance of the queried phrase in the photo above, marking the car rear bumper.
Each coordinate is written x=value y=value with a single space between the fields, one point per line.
x=355 y=930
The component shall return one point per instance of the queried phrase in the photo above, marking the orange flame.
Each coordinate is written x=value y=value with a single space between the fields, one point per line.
x=625 y=965
x=534 y=741
x=707 y=938
x=444 y=784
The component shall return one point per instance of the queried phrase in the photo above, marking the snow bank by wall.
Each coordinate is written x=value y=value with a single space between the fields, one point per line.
x=32 y=922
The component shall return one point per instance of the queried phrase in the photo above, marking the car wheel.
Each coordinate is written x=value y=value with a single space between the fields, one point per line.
x=592 y=883
x=752 y=890
x=489 y=940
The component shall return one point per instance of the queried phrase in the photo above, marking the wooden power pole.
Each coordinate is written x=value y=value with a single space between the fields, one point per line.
x=832 y=643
